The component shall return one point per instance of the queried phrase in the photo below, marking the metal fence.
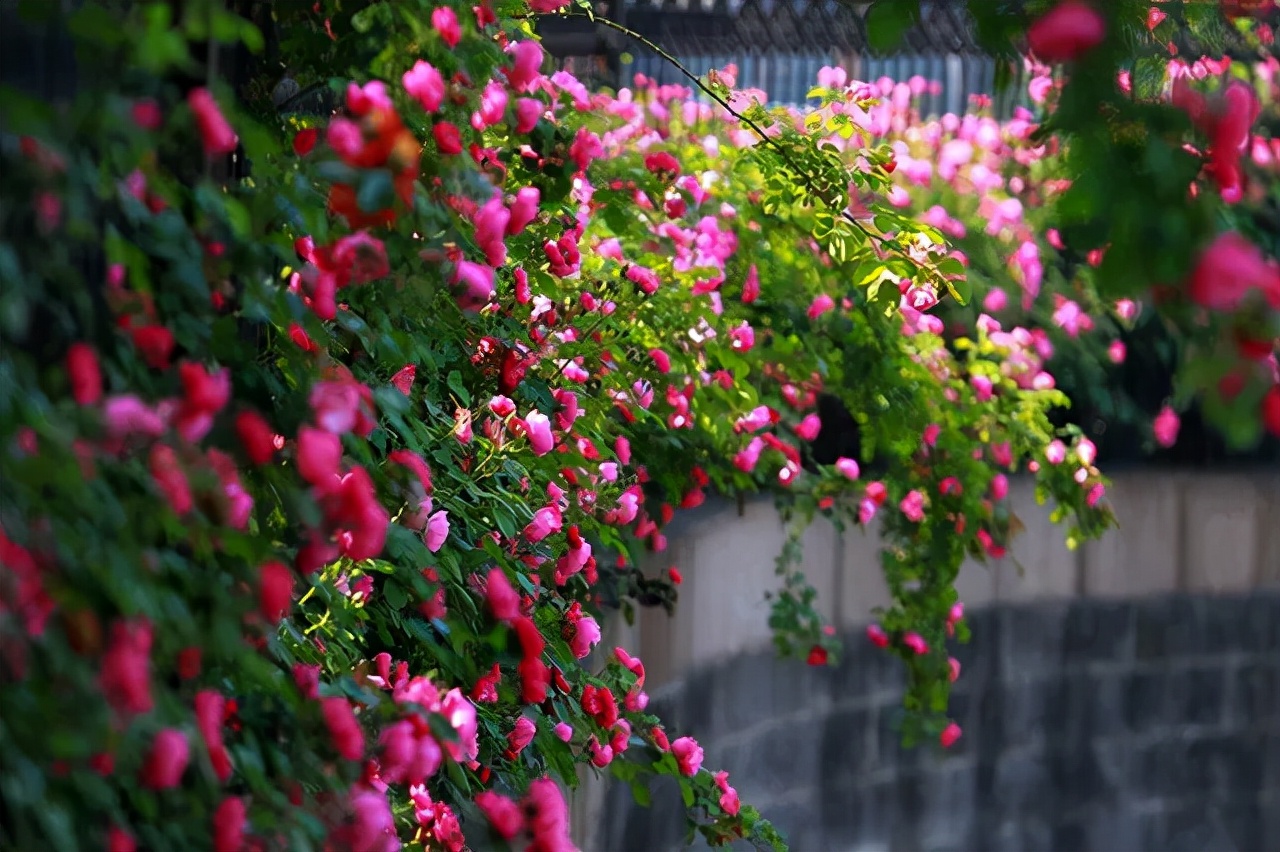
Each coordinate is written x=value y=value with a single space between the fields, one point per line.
x=778 y=47
x=787 y=78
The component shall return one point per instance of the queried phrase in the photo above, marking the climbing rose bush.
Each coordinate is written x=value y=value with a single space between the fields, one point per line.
x=1148 y=174
x=990 y=189
x=329 y=442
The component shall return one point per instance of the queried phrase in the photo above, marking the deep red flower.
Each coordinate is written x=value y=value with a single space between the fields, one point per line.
x=448 y=138
x=146 y=114
x=662 y=164
x=228 y=824
x=300 y=338
x=535 y=679
x=119 y=840
x=403 y=379
x=169 y=477
x=344 y=730
x=125 y=676
x=305 y=141
x=361 y=520
x=256 y=436
x=360 y=257
x=189 y=662
x=1271 y=411
x=486 y=689
x=210 y=709
x=275 y=591
x=1066 y=32
x=84 y=373
x=155 y=344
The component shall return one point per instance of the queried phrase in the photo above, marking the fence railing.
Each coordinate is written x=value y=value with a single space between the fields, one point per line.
x=778 y=47
x=787 y=78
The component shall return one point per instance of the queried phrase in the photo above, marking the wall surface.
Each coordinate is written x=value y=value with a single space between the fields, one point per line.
x=1122 y=697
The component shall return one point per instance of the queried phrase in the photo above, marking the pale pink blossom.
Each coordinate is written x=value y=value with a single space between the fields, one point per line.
x=847 y=468
x=912 y=506
x=1056 y=452
x=437 y=530
x=445 y=22
x=539 y=430
x=425 y=85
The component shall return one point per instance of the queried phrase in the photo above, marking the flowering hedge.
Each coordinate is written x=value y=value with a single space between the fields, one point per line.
x=324 y=447
x=990 y=192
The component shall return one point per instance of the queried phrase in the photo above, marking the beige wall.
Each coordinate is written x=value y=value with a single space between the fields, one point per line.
x=1210 y=533
x=1202 y=533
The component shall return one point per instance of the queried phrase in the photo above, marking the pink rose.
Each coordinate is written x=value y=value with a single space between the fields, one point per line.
x=913 y=506
x=216 y=133
x=425 y=85
x=847 y=468
x=167 y=760
x=522 y=734
x=445 y=22
x=437 y=530
x=1166 y=427
x=503 y=600
x=809 y=427
x=1066 y=32
x=539 y=430
x=688 y=755
x=820 y=306
x=503 y=815
x=585 y=633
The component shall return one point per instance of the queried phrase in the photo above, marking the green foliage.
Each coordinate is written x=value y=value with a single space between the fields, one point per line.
x=336 y=600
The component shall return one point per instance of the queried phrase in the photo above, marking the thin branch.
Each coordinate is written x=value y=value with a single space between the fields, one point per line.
x=755 y=128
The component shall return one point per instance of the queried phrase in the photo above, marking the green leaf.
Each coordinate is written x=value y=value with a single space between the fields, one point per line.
x=454 y=380
x=376 y=192
x=888 y=21
x=961 y=290
x=950 y=266
x=396 y=595
x=686 y=792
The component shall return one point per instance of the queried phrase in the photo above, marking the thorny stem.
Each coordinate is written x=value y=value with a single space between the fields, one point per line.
x=755 y=128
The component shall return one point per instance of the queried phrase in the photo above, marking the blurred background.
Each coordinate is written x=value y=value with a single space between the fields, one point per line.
x=1123 y=696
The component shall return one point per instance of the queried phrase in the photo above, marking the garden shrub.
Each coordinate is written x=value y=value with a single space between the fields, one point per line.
x=325 y=442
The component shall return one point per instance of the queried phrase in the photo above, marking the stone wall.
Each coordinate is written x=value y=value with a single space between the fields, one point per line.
x=1125 y=696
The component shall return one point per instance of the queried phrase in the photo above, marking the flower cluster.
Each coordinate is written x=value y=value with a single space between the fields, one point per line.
x=320 y=480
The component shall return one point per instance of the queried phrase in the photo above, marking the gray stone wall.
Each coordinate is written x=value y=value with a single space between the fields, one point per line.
x=1091 y=725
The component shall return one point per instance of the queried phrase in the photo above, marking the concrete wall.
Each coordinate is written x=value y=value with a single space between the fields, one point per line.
x=1125 y=696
